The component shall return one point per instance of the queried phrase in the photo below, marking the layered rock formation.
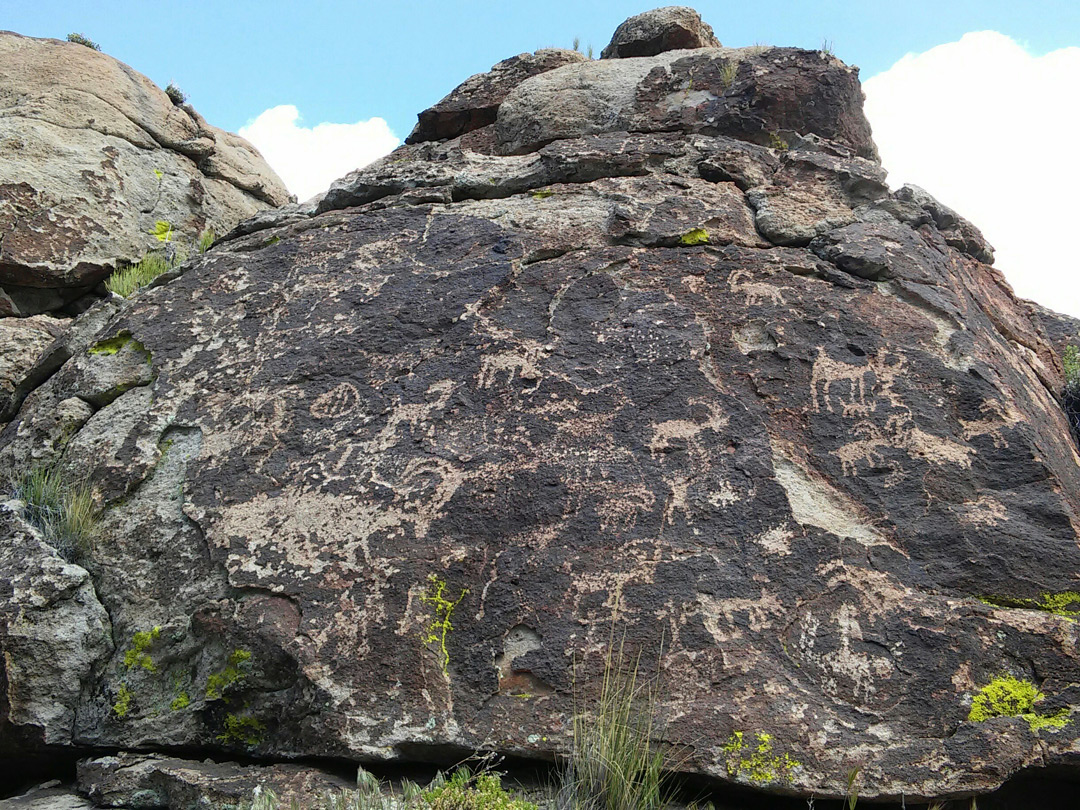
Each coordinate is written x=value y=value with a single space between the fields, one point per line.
x=657 y=349
x=94 y=155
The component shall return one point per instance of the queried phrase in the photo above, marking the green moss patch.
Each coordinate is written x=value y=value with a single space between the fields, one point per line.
x=236 y=669
x=137 y=655
x=695 y=236
x=1006 y=696
x=243 y=729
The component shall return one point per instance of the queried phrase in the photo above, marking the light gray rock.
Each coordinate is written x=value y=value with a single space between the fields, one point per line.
x=50 y=796
x=94 y=155
x=474 y=103
x=142 y=782
x=670 y=28
x=53 y=632
x=22 y=340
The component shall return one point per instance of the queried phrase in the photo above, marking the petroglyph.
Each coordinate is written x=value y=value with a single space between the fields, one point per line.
x=339 y=401
x=900 y=432
x=855 y=388
x=756 y=292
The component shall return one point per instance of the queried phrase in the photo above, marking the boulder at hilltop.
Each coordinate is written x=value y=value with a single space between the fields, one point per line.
x=94 y=155
x=381 y=476
x=671 y=28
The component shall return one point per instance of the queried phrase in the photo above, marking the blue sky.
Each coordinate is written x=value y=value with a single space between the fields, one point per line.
x=963 y=95
x=346 y=61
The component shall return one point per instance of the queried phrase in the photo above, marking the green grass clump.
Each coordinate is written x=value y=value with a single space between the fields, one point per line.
x=206 y=239
x=79 y=39
x=62 y=508
x=613 y=764
x=126 y=280
x=1006 y=696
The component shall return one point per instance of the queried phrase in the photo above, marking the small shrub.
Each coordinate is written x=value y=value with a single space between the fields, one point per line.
x=123 y=701
x=463 y=791
x=1070 y=397
x=175 y=94
x=79 y=39
x=60 y=507
x=728 y=72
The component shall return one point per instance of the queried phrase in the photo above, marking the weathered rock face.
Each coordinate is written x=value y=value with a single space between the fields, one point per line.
x=380 y=475
x=94 y=155
x=671 y=28
x=475 y=103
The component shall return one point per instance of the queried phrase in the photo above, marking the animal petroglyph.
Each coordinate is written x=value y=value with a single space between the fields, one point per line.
x=756 y=292
x=900 y=432
x=856 y=389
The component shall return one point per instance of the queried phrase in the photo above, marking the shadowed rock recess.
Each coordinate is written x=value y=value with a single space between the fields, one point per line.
x=646 y=340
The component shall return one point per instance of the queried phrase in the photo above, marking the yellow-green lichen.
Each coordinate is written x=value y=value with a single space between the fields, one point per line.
x=243 y=729
x=181 y=701
x=114 y=345
x=137 y=655
x=757 y=763
x=542 y=194
x=778 y=143
x=1006 y=696
x=1064 y=603
x=439 y=625
x=236 y=669
x=695 y=236
x=123 y=701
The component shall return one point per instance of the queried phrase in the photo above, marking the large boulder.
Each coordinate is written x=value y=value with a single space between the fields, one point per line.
x=382 y=476
x=94 y=155
x=671 y=28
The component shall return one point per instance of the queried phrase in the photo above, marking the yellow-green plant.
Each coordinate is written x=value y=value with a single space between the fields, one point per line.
x=236 y=669
x=1006 y=696
x=123 y=701
x=162 y=231
x=757 y=762
x=206 y=239
x=439 y=625
x=465 y=791
x=60 y=506
x=695 y=236
x=137 y=655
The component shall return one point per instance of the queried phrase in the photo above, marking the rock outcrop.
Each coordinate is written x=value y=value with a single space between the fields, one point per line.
x=671 y=28
x=379 y=476
x=94 y=155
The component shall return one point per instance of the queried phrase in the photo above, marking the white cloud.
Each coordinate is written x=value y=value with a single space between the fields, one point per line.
x=308 y=159
x=990 y=130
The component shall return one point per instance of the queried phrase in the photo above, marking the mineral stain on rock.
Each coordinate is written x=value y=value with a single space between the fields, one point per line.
x=587 y=349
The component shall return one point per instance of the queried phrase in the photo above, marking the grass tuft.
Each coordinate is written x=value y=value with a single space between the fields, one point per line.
x=61 y=508
x=126 y=280
x=79 y=39
x=614 y=764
